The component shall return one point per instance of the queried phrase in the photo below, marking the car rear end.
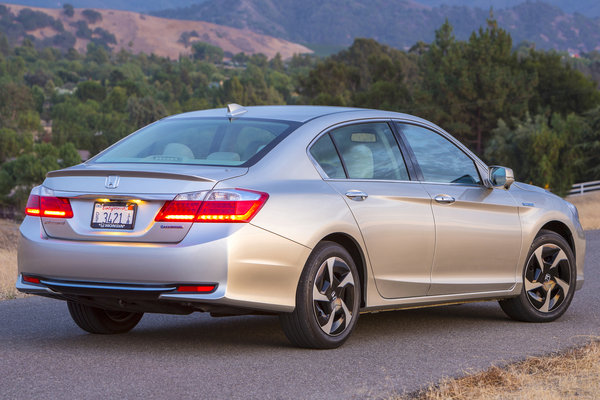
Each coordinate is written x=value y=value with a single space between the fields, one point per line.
x=142 y=228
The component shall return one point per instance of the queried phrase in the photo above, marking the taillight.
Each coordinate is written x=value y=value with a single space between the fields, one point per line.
x=49 y=207
x=178 y=211
x=226 y=205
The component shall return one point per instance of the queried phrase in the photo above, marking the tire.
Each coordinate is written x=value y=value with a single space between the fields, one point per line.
x=325 y=314
x=548 y=288
x=97 y=320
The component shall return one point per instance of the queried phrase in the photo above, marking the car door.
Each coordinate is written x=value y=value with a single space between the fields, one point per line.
x=478 y=229
x=364 y=164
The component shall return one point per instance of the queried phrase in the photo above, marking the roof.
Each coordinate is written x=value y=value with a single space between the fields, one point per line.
x=287 y=113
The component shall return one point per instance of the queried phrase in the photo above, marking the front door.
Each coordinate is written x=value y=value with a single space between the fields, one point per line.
x=477 y=229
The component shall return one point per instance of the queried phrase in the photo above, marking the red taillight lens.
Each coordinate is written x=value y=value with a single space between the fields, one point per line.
x=228 y=205
x=33 y=206
x=236 y=205
x=49 y=207
x=178 y=211
x=196 y=288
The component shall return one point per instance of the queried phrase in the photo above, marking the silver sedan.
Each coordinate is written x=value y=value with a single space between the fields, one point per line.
x=313 y=213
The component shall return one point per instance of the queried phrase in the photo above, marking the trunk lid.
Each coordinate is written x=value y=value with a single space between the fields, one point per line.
x=138 y=187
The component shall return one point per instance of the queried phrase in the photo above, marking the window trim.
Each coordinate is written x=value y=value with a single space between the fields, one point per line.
x=328 y=130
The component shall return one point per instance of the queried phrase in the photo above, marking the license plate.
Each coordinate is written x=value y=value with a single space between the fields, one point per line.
x=114 y=215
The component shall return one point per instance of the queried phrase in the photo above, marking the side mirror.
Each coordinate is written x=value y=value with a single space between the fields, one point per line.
x=501 y=176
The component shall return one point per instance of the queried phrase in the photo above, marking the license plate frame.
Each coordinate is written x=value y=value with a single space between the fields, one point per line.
x=112 y=214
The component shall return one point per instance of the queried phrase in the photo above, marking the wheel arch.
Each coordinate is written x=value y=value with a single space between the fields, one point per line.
x=352 y=246
x=561 y=229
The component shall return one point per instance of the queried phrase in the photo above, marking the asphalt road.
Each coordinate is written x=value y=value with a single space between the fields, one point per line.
x=44 y=355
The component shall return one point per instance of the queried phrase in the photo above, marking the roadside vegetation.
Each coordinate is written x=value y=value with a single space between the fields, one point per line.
x=8 y=259
x=572 y=374
x=535 y=111
x=588 y=206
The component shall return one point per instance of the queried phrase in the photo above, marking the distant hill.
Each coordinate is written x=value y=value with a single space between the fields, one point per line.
x=129 y=5
x=399 y=23
x=589 y=8
x=134 y=32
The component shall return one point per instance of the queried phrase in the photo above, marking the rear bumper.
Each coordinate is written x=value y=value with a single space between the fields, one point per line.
x=252 y=268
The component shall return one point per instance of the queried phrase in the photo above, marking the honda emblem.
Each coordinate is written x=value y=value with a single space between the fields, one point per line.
x=112 y=182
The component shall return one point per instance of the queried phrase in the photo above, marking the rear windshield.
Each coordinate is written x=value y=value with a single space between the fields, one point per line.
x=201 y=141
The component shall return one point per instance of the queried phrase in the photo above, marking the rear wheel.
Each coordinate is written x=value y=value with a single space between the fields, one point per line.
x=97 y=320
x=549 y=279
x=327 y=300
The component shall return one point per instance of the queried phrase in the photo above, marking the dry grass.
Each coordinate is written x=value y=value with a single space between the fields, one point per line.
x=144 y=33
x=567 y=375
x=8 y=259
x=588 y=206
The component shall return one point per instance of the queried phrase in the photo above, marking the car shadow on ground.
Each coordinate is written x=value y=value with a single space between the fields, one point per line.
x=249 y=332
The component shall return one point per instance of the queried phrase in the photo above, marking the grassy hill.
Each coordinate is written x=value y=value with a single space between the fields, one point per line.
x=134 y=32
x=399 y=23
x=128 y=5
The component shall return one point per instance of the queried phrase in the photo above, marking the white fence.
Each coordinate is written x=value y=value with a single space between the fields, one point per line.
x=585 y=187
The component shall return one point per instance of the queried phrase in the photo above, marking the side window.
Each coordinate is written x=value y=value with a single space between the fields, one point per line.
x=370 y=151
x=324 y=153
x=440 y=160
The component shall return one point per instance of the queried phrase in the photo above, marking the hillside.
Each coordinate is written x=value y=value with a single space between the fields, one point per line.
x=590 y=8
x=128 y=5
x=138 y=33
x=399 y=23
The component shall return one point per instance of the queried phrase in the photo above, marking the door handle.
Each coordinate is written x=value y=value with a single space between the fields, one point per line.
x=356 y=195
x=444 y=199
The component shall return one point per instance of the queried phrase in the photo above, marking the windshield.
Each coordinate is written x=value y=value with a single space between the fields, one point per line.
x=201 y=141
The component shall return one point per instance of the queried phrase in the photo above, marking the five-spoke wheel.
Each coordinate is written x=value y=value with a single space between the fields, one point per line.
x=327 y=299
x=548 y=281
x=547 y=277
x=333 y=290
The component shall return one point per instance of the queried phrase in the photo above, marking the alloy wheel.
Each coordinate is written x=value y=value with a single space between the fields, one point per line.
x=333 y=296
x=547 y=277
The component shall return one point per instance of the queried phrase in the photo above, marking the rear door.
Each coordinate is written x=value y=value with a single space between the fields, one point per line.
x=477 y=229
x=393 y=213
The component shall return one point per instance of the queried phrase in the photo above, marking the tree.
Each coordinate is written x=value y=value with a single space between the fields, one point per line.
x=15 y=99
x=206 y=52
x=540 y=152
x=469 y=86
x=91 y=90
x=68 y=10
x=144 y=111
x=559 y=87
x=92 y=16
x=367 y=74
x=588 y=164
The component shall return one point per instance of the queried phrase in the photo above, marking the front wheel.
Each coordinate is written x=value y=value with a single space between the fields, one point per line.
x=97 y=320
x=327 y=300
x=549 y=279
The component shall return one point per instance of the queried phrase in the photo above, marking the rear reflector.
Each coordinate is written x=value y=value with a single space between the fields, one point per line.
x=49 y=207
x=225 y=205
x=197 y=289
x=31 y=279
